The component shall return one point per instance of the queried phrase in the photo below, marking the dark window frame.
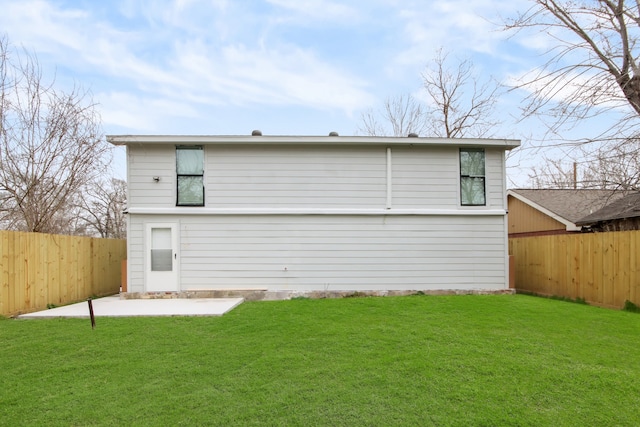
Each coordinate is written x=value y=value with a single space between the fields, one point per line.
x=191 y=175
x=481 y=178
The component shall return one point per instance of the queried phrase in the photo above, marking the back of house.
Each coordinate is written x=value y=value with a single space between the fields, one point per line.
x=301 y=215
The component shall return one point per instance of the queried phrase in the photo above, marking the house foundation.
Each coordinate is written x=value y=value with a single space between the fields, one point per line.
x=265 y=295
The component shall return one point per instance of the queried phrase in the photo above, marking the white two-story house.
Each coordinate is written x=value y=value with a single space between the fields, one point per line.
x=302 y=215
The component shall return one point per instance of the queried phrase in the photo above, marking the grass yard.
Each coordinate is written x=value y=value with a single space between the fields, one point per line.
x=419 y=360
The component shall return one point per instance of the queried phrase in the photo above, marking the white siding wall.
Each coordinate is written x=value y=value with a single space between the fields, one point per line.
x=145 y=162
x=253 y=176
x=329 y=252
x=495 y=179
x=323 y=252
x=339 y=177
x=135 y=255
x=425 y=178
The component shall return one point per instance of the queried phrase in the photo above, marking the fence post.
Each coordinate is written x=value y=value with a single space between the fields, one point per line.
x=512 y=272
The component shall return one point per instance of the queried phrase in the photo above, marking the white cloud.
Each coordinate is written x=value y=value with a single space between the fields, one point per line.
x=323 y=56
x=459 y=25
x=466 y=27
x=318 y=10
x=141 y=113
x=292 y=76
x=570 y=87
x=38 y=24
x=154 y=65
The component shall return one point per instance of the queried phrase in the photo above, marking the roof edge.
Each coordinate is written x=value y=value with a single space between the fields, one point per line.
x=506 y=144
x=620 y=209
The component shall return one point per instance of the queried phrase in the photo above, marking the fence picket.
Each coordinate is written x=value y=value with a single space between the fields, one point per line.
x=39 y=269
x=598 y=267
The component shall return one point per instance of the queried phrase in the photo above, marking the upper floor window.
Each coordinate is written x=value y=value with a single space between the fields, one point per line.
x=190 y=172
x=472 y=177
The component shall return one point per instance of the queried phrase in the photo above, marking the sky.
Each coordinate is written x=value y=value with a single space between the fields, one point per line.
x=286 y=67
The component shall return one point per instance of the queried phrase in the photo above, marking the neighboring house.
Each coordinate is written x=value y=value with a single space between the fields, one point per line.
x=551 y=211
x=296 y=215
x=621 y=215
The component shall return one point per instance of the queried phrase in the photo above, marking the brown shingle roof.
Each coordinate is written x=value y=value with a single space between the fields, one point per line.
x=572 y=205
x=626 y=207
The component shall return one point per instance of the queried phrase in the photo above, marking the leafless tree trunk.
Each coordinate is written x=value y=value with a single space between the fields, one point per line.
x=457 y=104
x=51 y=146
x=592 y=66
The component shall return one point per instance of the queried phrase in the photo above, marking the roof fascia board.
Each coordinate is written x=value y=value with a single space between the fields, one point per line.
x=570 y=226
x=506 y=144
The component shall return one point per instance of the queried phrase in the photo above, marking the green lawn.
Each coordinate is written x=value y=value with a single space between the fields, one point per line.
x=419 y=360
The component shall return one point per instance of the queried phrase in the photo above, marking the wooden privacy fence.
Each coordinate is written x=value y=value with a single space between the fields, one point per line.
x=601 y=268
x=41 y=269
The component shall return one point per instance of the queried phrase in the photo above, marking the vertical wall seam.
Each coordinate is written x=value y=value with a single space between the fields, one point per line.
x=389 y=179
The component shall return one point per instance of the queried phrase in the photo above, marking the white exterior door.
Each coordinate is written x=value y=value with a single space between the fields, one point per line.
x=162 y=257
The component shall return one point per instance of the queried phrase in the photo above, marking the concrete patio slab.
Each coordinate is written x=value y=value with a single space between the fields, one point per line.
x=115 y=307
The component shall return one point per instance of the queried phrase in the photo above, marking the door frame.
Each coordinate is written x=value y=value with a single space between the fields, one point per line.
x=164 y=281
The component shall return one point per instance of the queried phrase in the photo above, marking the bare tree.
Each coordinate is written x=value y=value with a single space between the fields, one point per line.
x=51 y=146
x=460 y=103
x=612 y=166
x=101 y=209
x=457 y=103
x=400 y=116
x=554 y=174
x=592 y=65
x=615 y=166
